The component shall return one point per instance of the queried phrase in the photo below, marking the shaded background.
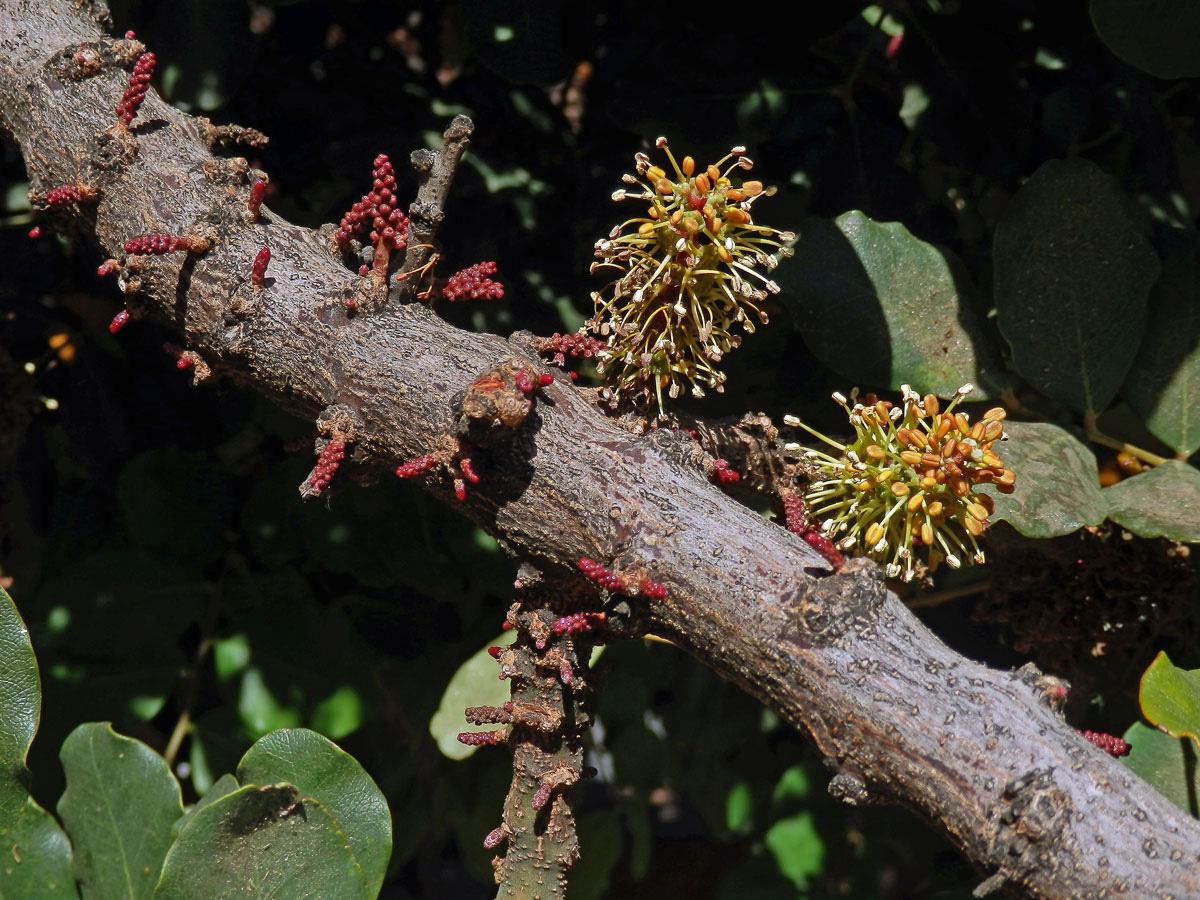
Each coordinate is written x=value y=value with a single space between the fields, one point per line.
x=152 y=535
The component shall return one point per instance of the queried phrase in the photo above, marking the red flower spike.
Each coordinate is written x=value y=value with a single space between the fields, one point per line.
x=377 y=214
x=119 y=321
x=794 y=514
x=254 y=204
x=488 y=715
x=723 y=473
x=1109 y=743
x=63 y=195
x=481 y=738
x=542 y=796
x=162 y=244
x=468 y=470
x=652 y=589
x=327 y=464
x=35 y=232
x=578 y=622
x=565 y=675
x=571 y=345
x=506 y=625
x=460 y=489
x=183 y=363
x=495 y=837
x=494 y=652
x=260 y=265
x=417 y=466
x=108 y=267
x=522 y=381
x=473 y=283
x=364 y=271
x=825 y=547
x=606 y=578
x=545 y=379
x=135 y=93
x=129 y=35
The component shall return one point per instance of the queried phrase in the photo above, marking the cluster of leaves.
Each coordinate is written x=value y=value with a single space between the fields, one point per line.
x=1048 y=192
x=300 y=816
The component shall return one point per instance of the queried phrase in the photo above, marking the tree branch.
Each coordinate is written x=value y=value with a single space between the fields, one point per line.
x=982 y=754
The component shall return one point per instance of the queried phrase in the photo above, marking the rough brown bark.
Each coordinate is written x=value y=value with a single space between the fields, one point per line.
x=901 y=717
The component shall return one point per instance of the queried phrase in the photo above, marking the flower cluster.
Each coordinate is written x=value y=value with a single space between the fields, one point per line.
x=327 y=465
x=162 y=244
x=473 y=283
x=1109 y=743
x=135 y=93
x=259 y=270
x=689 y=269
x=377 y=213
x=909 y=479
x=66 y=194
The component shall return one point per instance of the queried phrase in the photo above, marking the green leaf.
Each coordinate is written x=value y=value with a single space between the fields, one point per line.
x=476 y=683
x=1167 y=763
x=1072 y=275
x=37 y=854
x=1156 y=36
x=1058 y=485
x=1163 y=386
x=1170 y=698
x=739 y=808
x=1164 y=502
x=882 y=307
x=120 y=803
x=324 y=772
x=262 y=842
x=797 y=847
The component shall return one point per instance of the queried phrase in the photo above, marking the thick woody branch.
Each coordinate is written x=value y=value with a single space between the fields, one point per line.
x=982 y=754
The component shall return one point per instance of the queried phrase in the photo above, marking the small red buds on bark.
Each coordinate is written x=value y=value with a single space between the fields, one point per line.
x=1107 y=742
x=66 y=194
x=578 y=622
x=482 y=738
x=473 y=283
x=108 y=267
x=35 y=232
x=417 y=466
x=723 y=473
x=162 y=244
x=495 y=837
x=541 y=796
x=259 y=269
x=606 y=578
x=119 y=321
x=327 y=464
x=139 y=82
x=254 y=204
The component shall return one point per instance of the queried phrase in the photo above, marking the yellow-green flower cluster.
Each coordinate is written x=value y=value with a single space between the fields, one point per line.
x=908 y=480
x=688 y=270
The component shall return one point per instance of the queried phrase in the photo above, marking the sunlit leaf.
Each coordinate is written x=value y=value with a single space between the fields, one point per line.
x=1163 y=386
x=1072 y=274
x=262 y=842
x=39 y=854
x=1167 y=763
x=1163 y=502
x=1058 y=487
x=797 y=847
x=882 y=307
x=323 y=771
x=120 y=803
x=476 y=683
x=1170 y=698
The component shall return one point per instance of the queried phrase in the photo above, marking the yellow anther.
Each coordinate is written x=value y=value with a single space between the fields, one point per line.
x=962 y=423
x=875 y=451
x=978 y=510
x=931 y=405
x=935 y=508
x=665 y=186
x=927 y=533
x=995 y=414
x=912 y=457
x=874 y=534
x=899 y=489
x=713 y=173
x=915 y=501
x=654 y=173
x=752 y=188
x=703 y=185
x=646 y=229
x=688 y=166
x=974 y=526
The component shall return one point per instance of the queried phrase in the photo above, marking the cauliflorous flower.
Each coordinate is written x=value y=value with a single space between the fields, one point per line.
x=909 y=480
x=688 y=270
